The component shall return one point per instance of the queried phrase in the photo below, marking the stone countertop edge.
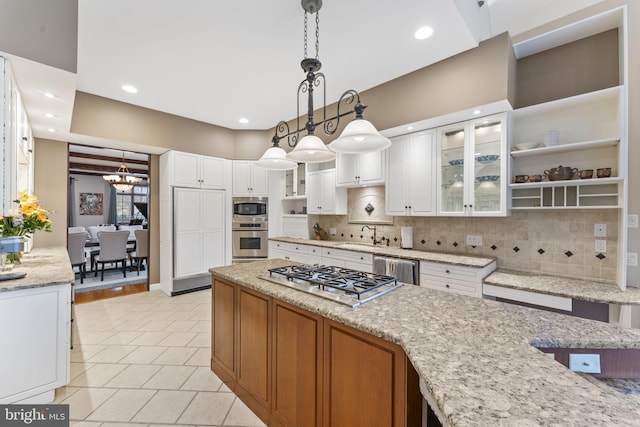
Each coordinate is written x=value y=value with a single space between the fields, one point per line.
x=476 y=358
x=600 y=292
x=392 y=251
x=44 y=267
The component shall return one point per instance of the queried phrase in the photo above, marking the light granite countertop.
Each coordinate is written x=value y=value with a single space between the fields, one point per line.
x=608 y=293
x=476 y=358
x=441 y=257
x=44 y=267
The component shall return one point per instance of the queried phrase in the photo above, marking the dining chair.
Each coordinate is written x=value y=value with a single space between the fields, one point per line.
x=76 y=229
x=77 y=256
x=95 y=229
x=142 y=249
x=131 y=229
x=113 y=248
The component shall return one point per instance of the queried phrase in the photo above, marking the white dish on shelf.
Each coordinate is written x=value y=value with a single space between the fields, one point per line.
x=526 y=145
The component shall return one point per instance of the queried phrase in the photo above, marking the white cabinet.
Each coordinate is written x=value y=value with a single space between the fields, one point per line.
x=34 y=359
x=16 y=142
x=454 y=278
x=249 y=179
x=193 y=170
x=410 y=188
x=589 y=128
x=199 y=231
x=354 y=170
x=322 y=195
x=289 y=251
x=350 y=259
x=472 y=168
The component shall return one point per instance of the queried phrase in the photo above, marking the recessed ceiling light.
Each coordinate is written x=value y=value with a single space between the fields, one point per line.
x=476 y=112
x=49 y=95
x=52 y=130
x=243 y=120
x=423 y=33
x=129 y=88
x=50 y=115
x=409 y=127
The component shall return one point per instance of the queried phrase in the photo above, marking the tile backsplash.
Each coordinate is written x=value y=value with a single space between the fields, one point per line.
x=548 y=242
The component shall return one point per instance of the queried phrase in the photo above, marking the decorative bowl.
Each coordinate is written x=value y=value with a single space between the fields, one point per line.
x=526 y=145
x=485 y=178
x=456 y=162
x=487 y=158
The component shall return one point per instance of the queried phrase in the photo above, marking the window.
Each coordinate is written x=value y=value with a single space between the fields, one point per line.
x=126 y=208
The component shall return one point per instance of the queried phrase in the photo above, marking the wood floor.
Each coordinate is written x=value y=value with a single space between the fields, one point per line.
x=111 y=293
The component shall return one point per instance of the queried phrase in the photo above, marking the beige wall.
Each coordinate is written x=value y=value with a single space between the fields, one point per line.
x=106 y=118
x=582 y=66
x=50 y=185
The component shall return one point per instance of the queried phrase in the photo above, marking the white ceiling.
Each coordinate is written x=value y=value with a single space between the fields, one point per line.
x=218 y=61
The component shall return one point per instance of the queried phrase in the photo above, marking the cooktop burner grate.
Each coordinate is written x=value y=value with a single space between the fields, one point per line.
x=330 y=278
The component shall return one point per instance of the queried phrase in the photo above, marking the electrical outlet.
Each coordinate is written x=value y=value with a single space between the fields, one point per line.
x=589 y=363
x=474 y=240
x=600 y=230
x=632 y=259
x=601 y=246
x=632 y=221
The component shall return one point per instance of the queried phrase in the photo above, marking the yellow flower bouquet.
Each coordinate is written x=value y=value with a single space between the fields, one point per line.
x=29 y=218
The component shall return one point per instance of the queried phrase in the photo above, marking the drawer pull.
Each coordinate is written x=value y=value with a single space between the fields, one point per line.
x=447 y=285
x=447 y=271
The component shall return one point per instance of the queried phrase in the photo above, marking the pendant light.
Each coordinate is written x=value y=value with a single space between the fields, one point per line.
x=359 y=136
x=122 y=180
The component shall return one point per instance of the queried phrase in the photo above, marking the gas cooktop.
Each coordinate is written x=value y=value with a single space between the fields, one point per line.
x=343 y=285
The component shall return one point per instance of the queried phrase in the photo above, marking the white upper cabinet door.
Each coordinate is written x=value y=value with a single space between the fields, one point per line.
x=346 y=169
x=212 y=174
x=410 y=189
x=322 y=195
x=420 y=172
x=249 y=179
x=186 y=169
x=193 y=170
x=354 y=170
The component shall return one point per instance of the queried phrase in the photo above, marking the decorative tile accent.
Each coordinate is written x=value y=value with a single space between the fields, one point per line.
x=361 y=236
x=569 y=253
x=494 y=247
x=516 y=249
x=341 y=234
x=455 y=244
x=541 y=251
x=423 y=241
x=600 y=256
x=395 y=239
x=438 y=243
x=351 y=235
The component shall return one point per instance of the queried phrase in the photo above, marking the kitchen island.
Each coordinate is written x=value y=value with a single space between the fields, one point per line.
x=35 y=316
x=476 y=359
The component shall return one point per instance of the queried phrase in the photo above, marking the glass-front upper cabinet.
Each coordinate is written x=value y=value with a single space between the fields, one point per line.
x=295 y=185
x=472 y=168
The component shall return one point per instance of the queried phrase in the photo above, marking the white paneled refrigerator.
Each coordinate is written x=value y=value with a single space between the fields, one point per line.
x=198 y=236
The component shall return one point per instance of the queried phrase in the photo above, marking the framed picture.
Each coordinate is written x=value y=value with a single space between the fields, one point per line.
x=91 y=203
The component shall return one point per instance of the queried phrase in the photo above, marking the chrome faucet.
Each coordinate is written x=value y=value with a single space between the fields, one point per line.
x=374 y=228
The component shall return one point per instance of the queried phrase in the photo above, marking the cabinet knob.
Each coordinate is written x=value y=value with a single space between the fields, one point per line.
x=286 y=257
x=409 y=207
x=447 y=285
x=447 y=271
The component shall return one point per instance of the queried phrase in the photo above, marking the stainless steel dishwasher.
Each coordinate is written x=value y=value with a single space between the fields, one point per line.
x=406 y=270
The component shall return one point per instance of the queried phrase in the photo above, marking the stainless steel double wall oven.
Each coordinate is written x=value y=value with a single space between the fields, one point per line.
x=250 y=228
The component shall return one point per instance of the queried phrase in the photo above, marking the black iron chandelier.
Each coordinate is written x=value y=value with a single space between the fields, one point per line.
x=359 y=136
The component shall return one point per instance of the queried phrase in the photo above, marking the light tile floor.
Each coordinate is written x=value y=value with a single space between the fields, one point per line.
x=143 y=360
